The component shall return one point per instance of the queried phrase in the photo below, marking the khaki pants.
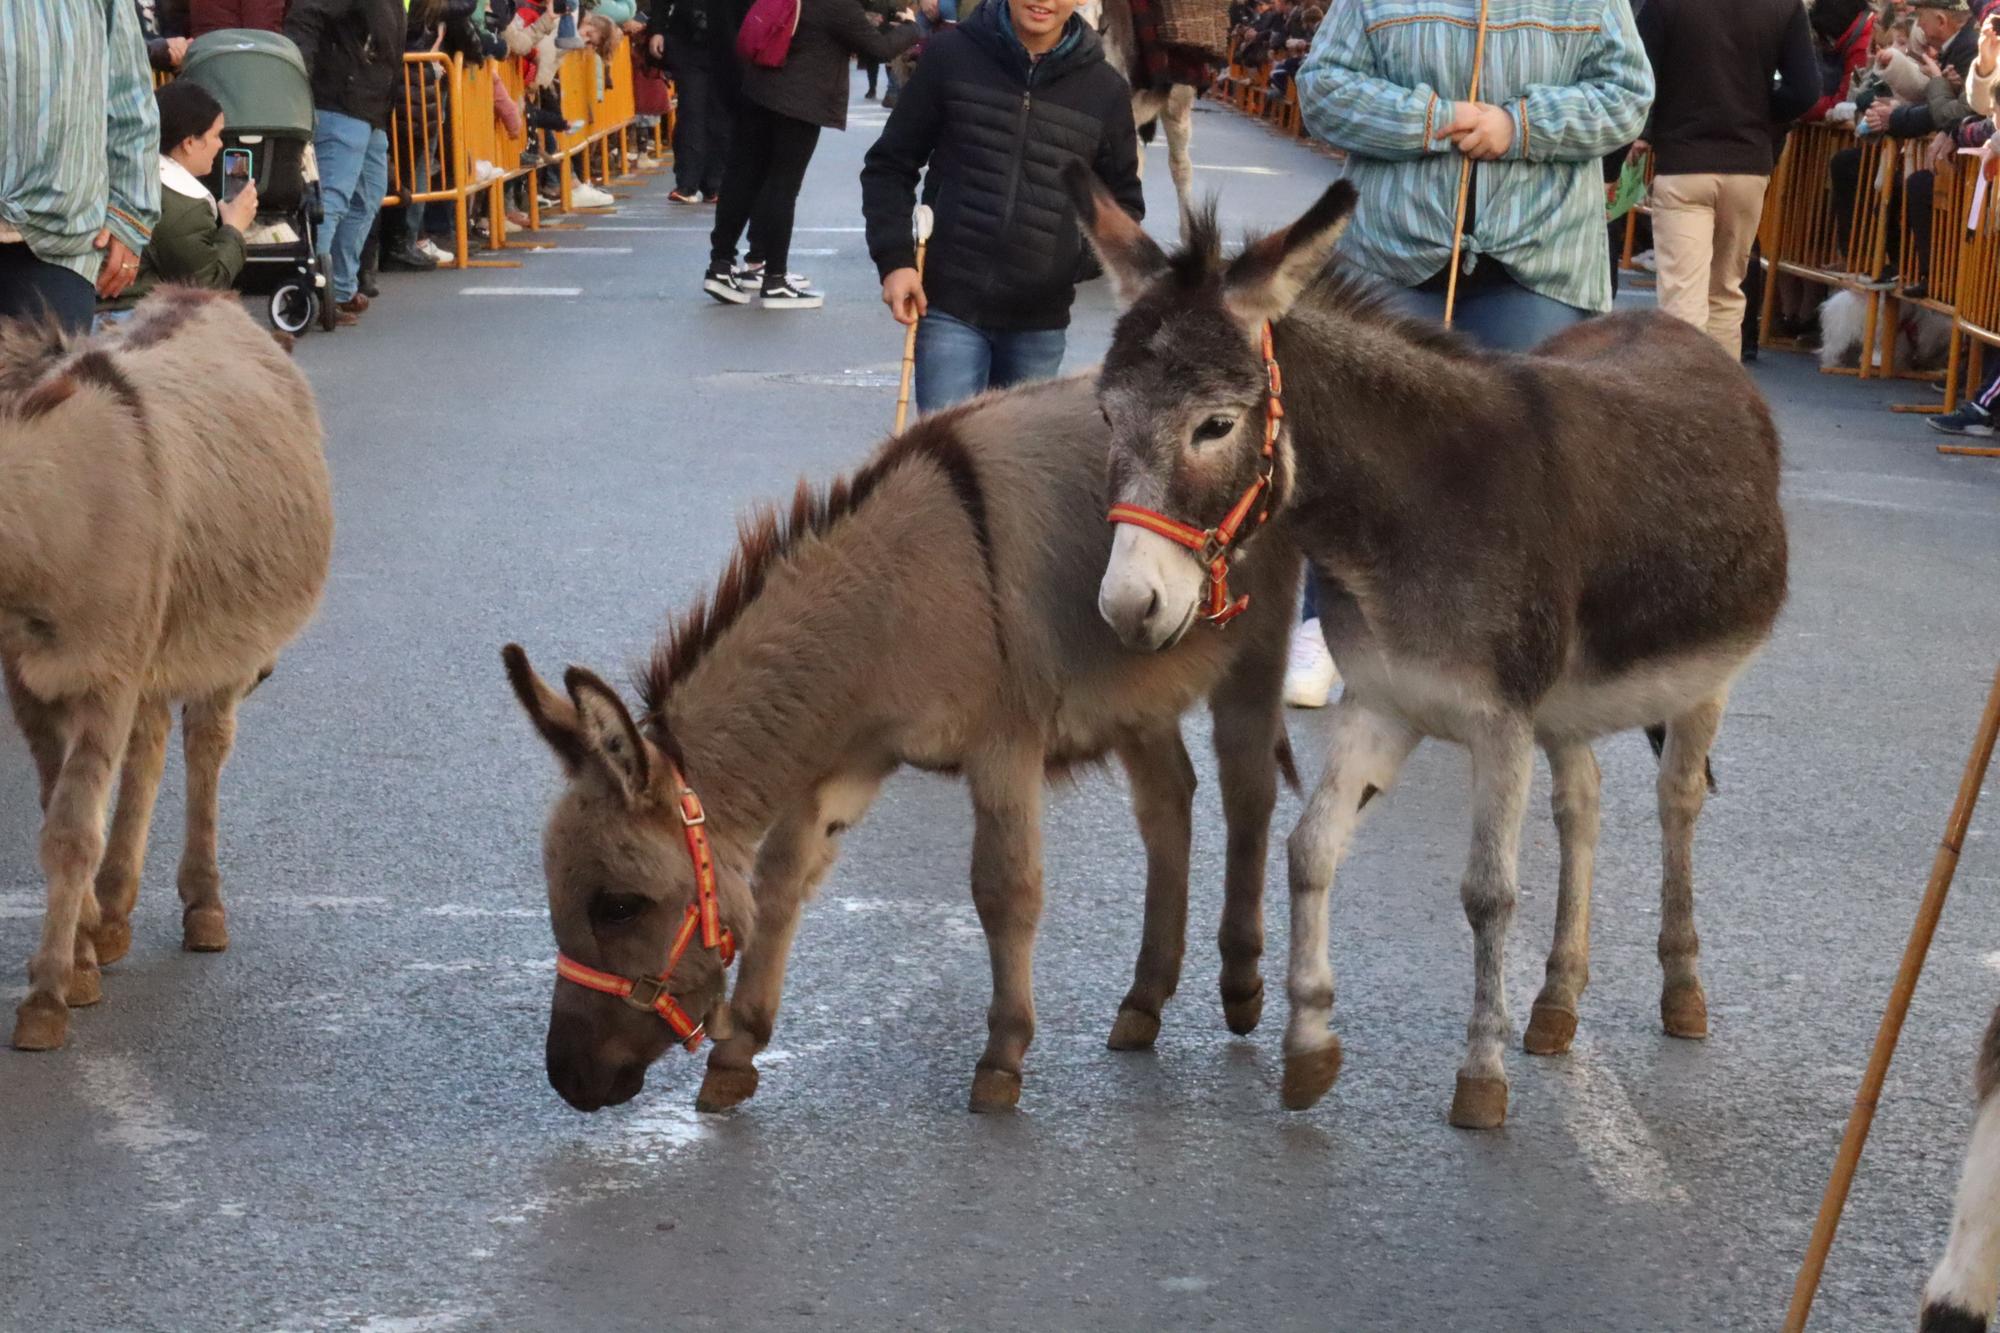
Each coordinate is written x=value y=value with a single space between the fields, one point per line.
x=1703 y=227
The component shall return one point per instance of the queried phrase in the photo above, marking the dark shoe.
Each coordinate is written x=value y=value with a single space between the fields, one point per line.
x=342 y=317
x=888 y=101
x=401 y=254
x=1969 y=419
x=356 y=305
x=723 y=286
x=787 y=297
x=366 y=286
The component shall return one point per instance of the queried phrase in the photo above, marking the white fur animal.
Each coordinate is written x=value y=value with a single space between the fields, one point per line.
x=1923 y=337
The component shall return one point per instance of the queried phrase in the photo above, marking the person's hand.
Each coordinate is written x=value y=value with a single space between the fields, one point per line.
x=177 y=49
x=1954 y=78
x=903 y=293
x=1489 y=134
x=120 y=265
x=1638 y=150
x=930 y=8
x=241 y=211
x=658 y=46
x=1877 y=118
x=1942 y=147
x=1989 y=51
x=1928 y=65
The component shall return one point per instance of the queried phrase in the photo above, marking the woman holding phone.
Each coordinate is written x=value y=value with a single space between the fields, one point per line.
x=198 y=242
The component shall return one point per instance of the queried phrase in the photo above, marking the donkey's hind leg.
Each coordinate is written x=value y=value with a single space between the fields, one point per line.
x=72 y=844
x=795 y=856
x=1367 y=750
x=1006 y=784
x=41 y=724
x=125 y=855
x=1683 y=788
x=1503 y=758
x=1177 y=116
x=1963 y=1288
x=1574 y=795
x=1163 y=784
x=208 y=730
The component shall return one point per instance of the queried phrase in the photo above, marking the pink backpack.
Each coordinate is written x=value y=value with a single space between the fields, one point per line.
x=765 y=38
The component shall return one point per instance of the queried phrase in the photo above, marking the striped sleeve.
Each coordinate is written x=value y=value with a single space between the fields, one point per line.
x=1602 y=109
x=1346 y=104
x=132 y=138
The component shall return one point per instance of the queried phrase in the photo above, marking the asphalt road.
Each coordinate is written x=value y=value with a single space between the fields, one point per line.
x=343 y=1122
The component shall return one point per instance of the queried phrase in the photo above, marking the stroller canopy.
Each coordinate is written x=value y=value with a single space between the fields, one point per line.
x=259 y=77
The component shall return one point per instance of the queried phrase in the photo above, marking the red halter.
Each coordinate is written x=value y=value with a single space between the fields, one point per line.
x=1211 y=545
x=702 y=916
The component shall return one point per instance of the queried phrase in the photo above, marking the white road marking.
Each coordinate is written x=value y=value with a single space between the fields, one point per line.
x=142 y=1124
x=1242 y=171
x=475 y=910
x=588 y=250
x=522 y=291
x=1617 y=1148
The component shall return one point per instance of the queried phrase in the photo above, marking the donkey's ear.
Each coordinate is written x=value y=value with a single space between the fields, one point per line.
x=1264 y=281
x=554 y=716
x=614 y=738
x=1128 y=254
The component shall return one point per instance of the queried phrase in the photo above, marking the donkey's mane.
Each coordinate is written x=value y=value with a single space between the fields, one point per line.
x=1337 y=290
x=28 y=349
x=768 y=536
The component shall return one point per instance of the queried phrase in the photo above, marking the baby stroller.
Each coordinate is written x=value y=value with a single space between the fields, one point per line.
x=267 y=107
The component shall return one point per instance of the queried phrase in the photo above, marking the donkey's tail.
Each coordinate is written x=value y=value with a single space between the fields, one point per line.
x=1657 y=734
x=1287 y=762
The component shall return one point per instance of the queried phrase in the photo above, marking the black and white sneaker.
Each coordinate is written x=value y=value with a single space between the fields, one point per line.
x=1969 y=419
x=787 y=297
x=752 y=275
x=724 y=287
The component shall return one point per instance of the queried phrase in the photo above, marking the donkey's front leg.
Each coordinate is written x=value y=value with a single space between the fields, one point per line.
x=1683 y=788
x=794 y=857
x=1503 y=758
x=72 y=845
x=1367 y=750
x=1574 y=794
x=1007 y=891
x=1960 y=1295
x=1248 y=723
x=1163 y=784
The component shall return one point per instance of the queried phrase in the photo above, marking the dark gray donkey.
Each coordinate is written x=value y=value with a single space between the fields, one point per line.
x=1512 y=550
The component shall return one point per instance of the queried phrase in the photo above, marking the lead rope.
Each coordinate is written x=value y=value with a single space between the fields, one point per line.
x=1464 y=175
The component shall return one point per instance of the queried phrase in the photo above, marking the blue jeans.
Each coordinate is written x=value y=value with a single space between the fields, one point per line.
x=353 y=176
x=956 y=360
x=33 y=288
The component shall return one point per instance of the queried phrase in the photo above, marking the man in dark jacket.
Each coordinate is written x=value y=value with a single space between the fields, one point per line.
x=353 y=51
x=997 y=109
x=1714 y=107
x=695 y=39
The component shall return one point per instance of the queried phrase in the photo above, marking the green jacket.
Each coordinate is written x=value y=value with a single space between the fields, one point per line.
x=190 y=247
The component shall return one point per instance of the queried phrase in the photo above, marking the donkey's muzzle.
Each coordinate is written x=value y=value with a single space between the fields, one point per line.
x=583 y=1076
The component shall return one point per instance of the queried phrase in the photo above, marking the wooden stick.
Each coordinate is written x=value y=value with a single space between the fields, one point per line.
x=1464 y=175
x=1863 y=1115
x=923 y=228
x=1968 y=450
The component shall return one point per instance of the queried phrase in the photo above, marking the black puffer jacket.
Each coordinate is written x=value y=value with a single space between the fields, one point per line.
x=996 y=130
x=813 y=83
x=354 y=52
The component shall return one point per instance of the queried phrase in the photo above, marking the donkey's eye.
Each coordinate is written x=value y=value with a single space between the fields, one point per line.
x=1214 y=429
x=616 y=909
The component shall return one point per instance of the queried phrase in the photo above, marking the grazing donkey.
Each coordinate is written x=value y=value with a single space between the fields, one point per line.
x=936 y=611
x=1513 y=551
x=1966 y=1283
x=164 y=530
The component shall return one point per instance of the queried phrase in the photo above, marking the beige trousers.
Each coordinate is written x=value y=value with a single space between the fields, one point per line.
x=1703 y=227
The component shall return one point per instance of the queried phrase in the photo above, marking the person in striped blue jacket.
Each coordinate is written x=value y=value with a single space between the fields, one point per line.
x=1564 y=83
x=79 y=156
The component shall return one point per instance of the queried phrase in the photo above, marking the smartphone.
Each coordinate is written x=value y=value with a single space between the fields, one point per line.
x=237 y=172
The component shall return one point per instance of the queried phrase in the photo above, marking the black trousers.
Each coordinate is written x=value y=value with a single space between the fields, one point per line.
x=31 y=288
x=702 y=121
x=768 y=156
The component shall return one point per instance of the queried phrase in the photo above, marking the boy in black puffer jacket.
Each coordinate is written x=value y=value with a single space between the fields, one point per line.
x=997 y=108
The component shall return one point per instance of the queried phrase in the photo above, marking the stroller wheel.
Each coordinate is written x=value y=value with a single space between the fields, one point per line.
x=293 y=308
x=329 y=317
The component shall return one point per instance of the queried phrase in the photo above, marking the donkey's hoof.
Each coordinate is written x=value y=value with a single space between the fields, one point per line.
x=1243 y=1012
x=40 y=1024
x=113 y=940
x=1135 y=1030
x=1479 y=1103
x=1550 y=1030
x=203 y=931
x=994 y=1090
x=1684 y=1011
x=86 y=987
x=1308 y=1075
x=724 y=1088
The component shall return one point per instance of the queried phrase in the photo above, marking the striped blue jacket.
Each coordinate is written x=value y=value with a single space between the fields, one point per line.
x=79 y=130
x=1379 y=82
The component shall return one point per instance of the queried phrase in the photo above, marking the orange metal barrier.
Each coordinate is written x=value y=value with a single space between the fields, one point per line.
x=1805 y=236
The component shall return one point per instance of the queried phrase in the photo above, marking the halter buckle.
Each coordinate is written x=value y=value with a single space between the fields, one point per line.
x=646 y=992
x=692 y=814
x=1213 y=550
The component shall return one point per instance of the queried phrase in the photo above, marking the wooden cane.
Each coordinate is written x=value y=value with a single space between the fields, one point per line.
x=1863 y=1115
x=1464 y=175
x=923 y=228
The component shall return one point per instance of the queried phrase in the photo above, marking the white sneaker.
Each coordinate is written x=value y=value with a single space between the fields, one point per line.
x=585 y=195
x=485 y=172
x=1309 y=673
x=752 y=275
x=436 y=251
